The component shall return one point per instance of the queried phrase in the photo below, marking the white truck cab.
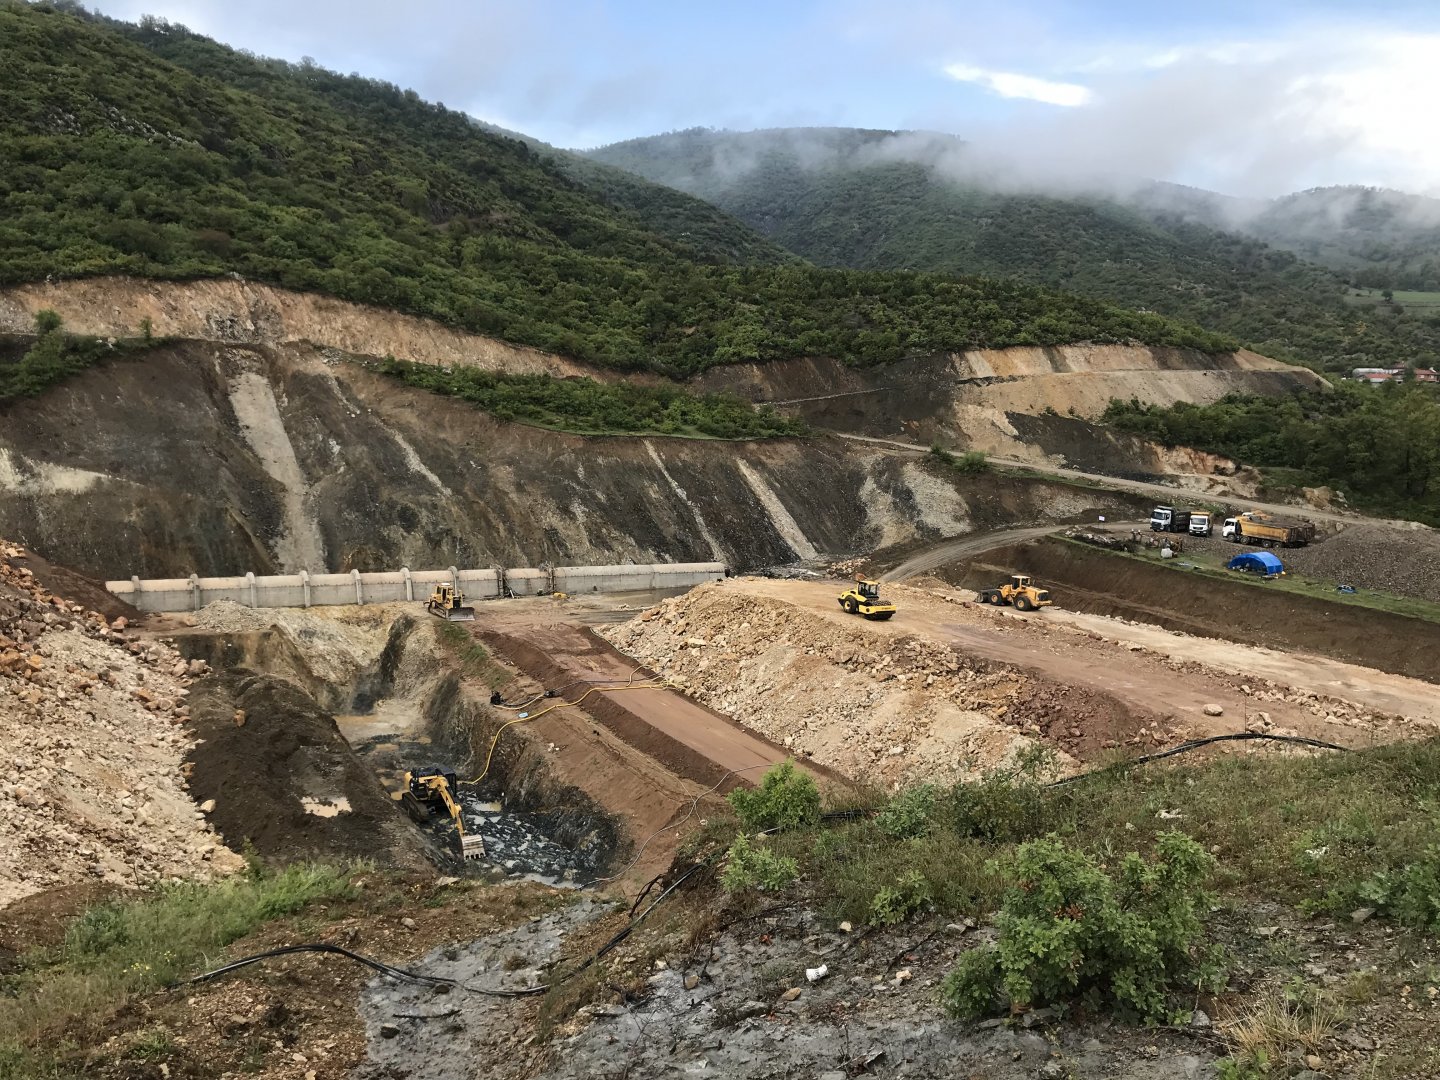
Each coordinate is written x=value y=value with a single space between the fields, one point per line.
x=1200 y=523
x=1228 y=530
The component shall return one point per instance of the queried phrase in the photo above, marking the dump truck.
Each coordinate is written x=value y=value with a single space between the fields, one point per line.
x=1020 y=591
x=864 y=599
x=1200 y=523
x=1168 y=519
x=1265 y=531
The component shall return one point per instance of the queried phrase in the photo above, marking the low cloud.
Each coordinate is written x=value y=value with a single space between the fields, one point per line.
x=1009 y=84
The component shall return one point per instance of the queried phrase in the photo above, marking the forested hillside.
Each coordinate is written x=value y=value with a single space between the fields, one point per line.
x=1379 y=445
x=153 y=151
x=877 y=200
x=1377 y=238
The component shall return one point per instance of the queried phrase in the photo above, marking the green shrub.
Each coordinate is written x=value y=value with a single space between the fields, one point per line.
x=1409 y=894
x=1069 y=930
x=756 y=866
x=893 y=904
x=908 y=814
x=998 y=807
x=787 y=798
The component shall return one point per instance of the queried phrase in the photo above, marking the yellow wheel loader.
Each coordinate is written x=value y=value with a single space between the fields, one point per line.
x=449 y=603
x=430 y=791
x=1020 y=591
x=864 y=599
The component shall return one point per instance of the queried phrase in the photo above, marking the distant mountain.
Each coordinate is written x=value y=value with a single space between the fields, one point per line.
x=891 y=200
x=153 y=151
x=1377 y=237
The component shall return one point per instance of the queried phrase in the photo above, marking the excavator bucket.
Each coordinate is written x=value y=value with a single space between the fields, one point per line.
x=472 y=846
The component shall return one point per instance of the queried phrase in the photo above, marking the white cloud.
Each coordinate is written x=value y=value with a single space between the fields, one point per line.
x=1009 y=84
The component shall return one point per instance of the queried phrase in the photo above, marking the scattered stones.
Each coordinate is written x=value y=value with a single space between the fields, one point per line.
x=90 y=730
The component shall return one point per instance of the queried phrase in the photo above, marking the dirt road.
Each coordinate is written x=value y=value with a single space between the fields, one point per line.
x=1162 y=491
x=961 y=547
x=1148 y=669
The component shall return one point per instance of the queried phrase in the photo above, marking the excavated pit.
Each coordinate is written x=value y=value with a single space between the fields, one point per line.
x=318 y=761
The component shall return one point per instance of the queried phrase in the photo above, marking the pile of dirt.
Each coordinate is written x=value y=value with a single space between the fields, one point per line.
x=276 y=775
x=91 y=742
x=338 y=643
x=886 y=710
x=1405 y=562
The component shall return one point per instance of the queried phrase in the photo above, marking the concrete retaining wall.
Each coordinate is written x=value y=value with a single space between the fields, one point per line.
x=319 y=590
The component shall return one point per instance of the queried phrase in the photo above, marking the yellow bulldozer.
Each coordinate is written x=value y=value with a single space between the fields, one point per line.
x=449 y=603
x=1020 y=591
x=431 y=790
x=864 y=599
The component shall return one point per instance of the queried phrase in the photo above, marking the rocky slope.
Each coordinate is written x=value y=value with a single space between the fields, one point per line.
x=252 y=445
x=91 y=745
x=220 y=458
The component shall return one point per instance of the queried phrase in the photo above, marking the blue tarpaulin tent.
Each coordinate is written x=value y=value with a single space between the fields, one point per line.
x=1257 y=562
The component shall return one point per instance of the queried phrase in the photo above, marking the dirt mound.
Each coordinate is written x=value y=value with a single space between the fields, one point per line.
x=884 y=710
x=91 y=742
x=1381 y=557
x=284 y=781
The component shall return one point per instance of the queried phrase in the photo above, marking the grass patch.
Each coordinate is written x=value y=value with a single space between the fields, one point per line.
x=61 y=999
x=472 y=658
x=1209 y=564
x=56 y=356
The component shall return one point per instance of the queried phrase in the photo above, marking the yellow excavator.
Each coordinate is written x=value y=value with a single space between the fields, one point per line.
x=449 y=603
x=1020 y=591
x=864 y=599
x=431 y=790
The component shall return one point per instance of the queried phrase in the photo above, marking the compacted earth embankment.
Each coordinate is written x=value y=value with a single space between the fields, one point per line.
x=1092 y=580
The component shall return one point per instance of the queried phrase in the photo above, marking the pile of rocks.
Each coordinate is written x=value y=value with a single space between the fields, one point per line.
x=92 y=739
x=887 y=710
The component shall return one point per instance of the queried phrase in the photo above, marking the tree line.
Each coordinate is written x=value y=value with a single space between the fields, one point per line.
x=1380 y=445
x=588 y=407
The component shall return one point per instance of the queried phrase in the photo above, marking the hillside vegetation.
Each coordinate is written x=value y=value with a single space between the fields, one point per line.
x=884 y=200
x=1379 y=445
x=1377 y=238
x=587 y=407
x=154 y=151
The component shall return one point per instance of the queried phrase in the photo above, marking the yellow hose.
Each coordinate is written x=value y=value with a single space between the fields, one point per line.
x=490 y=754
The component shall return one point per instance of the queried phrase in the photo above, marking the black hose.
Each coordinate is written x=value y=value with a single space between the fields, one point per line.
x=376 y=965
x=1195 y=744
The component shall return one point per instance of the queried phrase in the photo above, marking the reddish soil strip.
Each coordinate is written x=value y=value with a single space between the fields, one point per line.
x=692 y=741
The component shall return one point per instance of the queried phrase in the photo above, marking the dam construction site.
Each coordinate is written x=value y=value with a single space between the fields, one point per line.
x=675 y=815
x=471 y=609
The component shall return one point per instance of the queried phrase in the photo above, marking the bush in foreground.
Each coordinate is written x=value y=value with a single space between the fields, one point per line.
x=1069 y=930
x=755 y=866
x=787 y=798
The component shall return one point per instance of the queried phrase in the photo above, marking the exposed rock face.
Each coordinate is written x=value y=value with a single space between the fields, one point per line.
x=255 y=445
x=218 y=459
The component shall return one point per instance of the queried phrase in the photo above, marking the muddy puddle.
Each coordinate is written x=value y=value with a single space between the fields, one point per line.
x=518 y=845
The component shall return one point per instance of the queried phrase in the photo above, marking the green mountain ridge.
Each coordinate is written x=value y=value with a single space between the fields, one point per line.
x=882 y=200
x=154 y=151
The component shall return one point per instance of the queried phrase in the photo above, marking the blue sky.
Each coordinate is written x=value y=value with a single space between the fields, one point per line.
x=1250 y=98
